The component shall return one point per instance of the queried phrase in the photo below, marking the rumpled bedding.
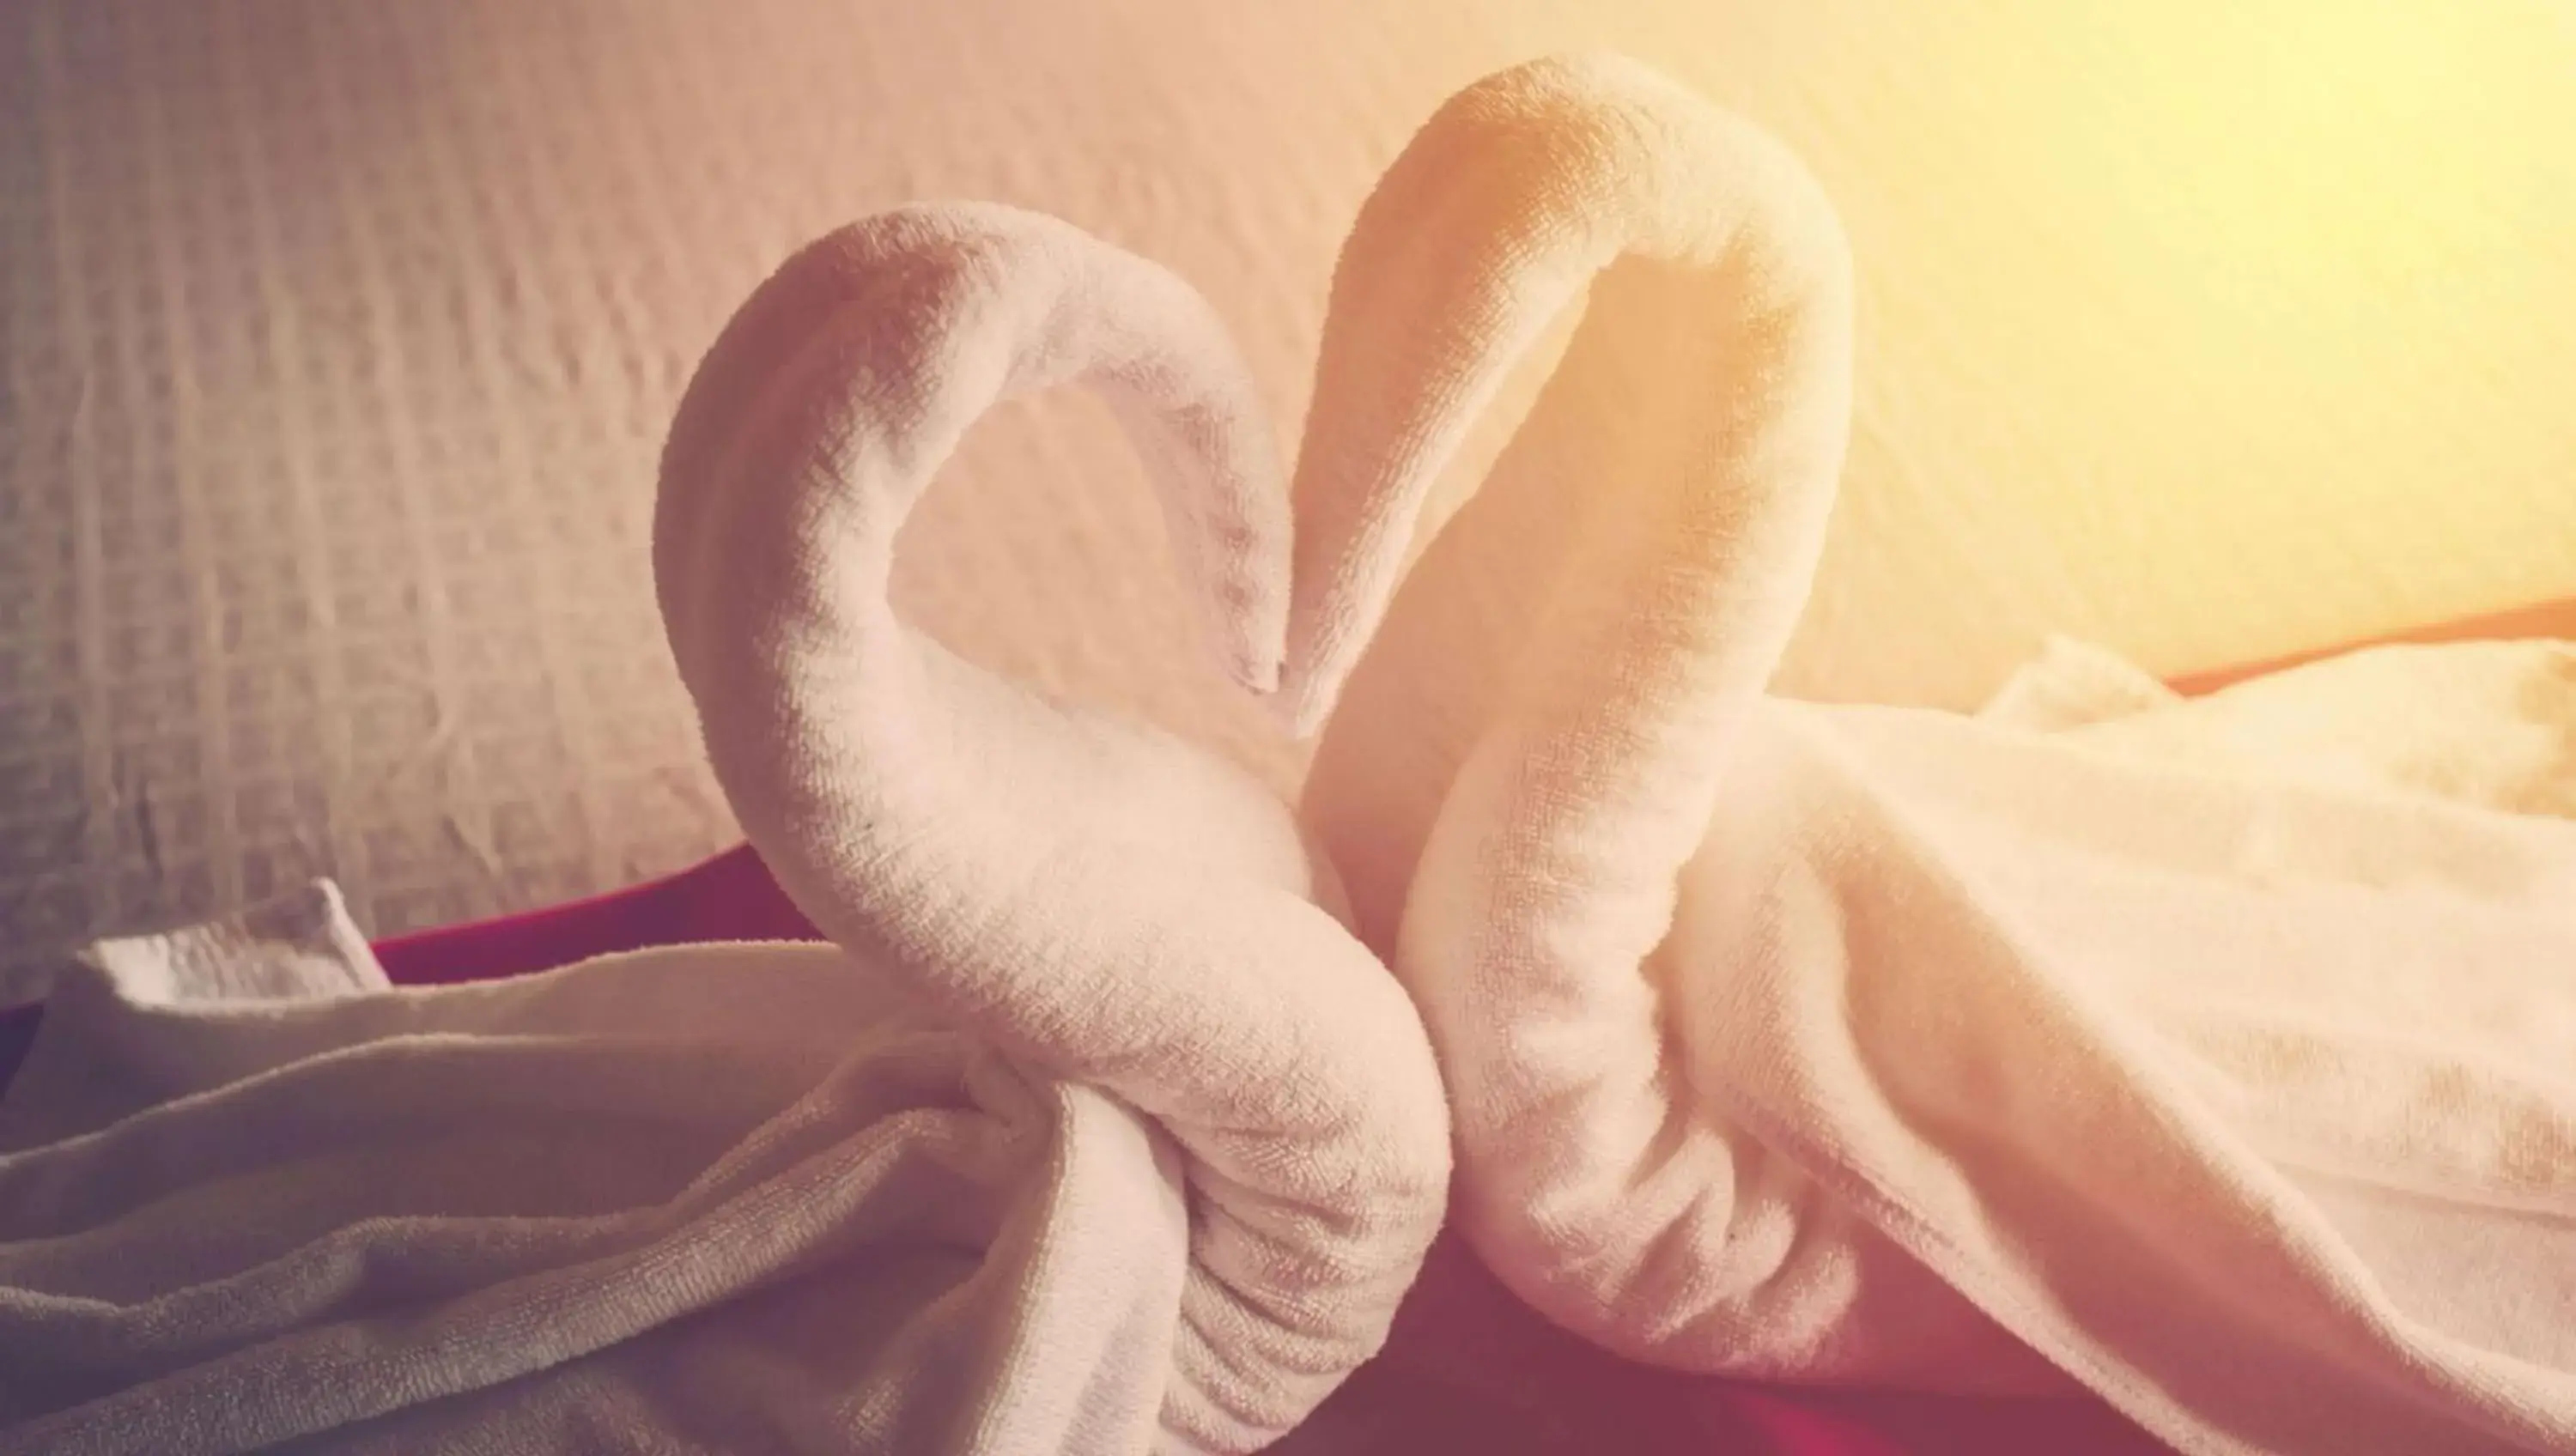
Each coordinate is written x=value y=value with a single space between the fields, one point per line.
x=2235 y=1095
x=704 y=1073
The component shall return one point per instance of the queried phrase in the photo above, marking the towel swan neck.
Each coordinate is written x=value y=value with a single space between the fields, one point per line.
x=1101 y=902
x=1515 y=826
x=1830 y=1042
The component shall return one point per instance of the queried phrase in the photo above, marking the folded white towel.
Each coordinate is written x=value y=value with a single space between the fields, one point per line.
x=1833 y=1042
x=1105 y=904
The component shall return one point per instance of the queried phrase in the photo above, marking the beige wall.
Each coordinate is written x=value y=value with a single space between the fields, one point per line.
x=2208 y=330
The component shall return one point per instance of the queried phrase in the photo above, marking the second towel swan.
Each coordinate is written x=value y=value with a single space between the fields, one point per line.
x=1871 y=1044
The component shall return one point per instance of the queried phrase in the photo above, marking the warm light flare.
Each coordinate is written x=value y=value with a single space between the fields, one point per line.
x=2212 y=330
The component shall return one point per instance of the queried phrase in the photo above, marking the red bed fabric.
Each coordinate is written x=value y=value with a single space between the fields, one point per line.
x=730 y=897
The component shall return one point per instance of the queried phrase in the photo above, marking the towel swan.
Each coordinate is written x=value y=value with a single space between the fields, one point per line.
x=1100 y=902
x=1757 y=1013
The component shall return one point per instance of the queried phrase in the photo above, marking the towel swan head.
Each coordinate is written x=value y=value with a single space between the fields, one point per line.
x=1528 y=755
x=1104 y=903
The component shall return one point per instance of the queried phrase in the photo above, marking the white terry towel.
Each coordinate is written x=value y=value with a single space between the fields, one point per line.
x=1867 y=1044
x=706 y=1199
x=1104 y=904
x=1094 y=1134
x=2485 y=723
